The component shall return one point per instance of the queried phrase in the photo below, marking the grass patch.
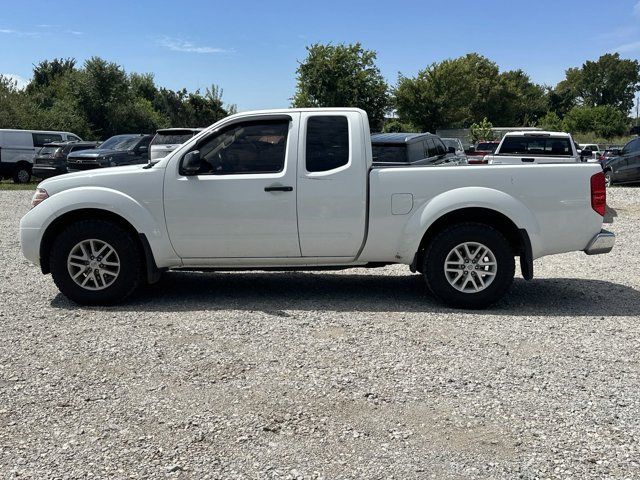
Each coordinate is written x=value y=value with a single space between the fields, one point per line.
x=9 y=185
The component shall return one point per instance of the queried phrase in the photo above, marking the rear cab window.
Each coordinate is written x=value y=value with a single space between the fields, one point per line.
x=327 y=145
x=487 y=147
x=389 y=153
x=536 y=146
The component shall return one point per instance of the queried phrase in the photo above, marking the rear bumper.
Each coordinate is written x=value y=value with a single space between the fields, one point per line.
x=603 y=242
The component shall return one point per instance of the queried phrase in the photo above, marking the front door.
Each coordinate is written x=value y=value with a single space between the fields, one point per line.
x=242 y=203
x=625 y=169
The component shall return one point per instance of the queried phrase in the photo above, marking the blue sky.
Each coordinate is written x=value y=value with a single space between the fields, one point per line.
x=251 y=48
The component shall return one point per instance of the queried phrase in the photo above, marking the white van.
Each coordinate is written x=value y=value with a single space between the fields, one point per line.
x=19 y=147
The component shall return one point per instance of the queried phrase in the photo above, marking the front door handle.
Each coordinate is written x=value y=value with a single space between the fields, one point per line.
x=278 y=188
x=530 y=160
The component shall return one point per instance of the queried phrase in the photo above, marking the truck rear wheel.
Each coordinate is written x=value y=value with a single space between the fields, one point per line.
x=95 y=262
x=469 y=265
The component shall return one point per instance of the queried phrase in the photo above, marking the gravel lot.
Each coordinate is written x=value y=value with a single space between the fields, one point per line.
x=358 y=374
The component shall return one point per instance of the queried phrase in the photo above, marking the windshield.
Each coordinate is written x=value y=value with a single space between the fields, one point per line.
x=120 y=142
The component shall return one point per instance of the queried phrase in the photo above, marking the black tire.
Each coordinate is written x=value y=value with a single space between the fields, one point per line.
x=451 y=237
x=127 y=249
x=22 y=173
x=608 y=178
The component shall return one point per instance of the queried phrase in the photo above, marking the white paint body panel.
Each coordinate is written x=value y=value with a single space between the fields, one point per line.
x=332 y=205
x=226 y=221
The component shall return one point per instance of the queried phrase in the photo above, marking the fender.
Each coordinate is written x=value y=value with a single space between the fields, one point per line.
x=147 y=218
x=460 y=198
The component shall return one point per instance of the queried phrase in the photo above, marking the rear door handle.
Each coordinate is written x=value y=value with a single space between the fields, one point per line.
x=278 y=188
x=530 y=160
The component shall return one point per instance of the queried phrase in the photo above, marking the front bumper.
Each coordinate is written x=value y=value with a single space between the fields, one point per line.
x=603 y=242
x=46 y=171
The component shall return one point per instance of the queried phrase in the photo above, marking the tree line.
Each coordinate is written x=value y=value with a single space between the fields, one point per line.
x=471 y=90
x=100 y=99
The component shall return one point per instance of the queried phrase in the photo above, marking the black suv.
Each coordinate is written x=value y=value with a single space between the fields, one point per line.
x=51 y=159
x=117 y=151
x=411 y=149
x=625 y=167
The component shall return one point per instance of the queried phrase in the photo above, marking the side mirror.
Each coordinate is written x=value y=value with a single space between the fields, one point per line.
x=191 y=164
x=451 y=150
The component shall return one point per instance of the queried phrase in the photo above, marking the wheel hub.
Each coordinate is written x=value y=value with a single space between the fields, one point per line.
x=93 y=264
x=470 y=267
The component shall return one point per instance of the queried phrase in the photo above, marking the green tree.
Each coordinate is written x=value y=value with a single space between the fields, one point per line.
x=394 y=125
x=604 y=121
x=457 y=92
x=523 y=102
x=551 y=122
x=608 y=81
x=342 y=76
x=481 y=131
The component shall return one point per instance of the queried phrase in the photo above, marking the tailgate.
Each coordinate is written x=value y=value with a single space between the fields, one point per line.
x=528 y=159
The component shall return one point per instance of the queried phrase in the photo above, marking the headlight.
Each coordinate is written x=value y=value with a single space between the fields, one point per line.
x=40 y=196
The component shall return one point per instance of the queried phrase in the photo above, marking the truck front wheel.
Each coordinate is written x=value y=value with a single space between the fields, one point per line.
x=469 y=265
x=95 y=262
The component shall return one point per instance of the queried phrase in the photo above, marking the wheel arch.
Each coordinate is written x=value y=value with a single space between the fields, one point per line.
x=73 y=216
x=518 y=238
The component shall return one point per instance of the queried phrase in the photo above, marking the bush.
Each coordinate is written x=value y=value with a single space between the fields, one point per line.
x=482 y=131
x=604 y=121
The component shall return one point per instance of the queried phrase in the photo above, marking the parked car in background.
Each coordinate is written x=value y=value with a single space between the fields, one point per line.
x=521 y=148
x=611 y=151
x=476 y=153
x=456 y=144
x=51 y=160
x=590 y=152
x=19 y=147
x=119 y=150
x=168 y=139
x=411 y=149
x=625 y=167
x=296 y=189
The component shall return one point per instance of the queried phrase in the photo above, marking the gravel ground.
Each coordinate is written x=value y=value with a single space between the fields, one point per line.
x=359 y=374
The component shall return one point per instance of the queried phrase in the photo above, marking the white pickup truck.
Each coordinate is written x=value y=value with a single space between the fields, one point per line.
x=521 y=148
x=284 y=189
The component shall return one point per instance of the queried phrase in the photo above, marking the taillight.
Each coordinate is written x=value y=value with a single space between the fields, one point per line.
x=598 y=193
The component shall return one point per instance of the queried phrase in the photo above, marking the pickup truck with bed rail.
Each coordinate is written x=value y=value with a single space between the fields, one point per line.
x=295 y=189
x=521 y=148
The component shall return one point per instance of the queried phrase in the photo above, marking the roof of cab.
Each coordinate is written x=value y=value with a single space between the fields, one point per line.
x=398 y=137
x=175 y=130
x=537 y=133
